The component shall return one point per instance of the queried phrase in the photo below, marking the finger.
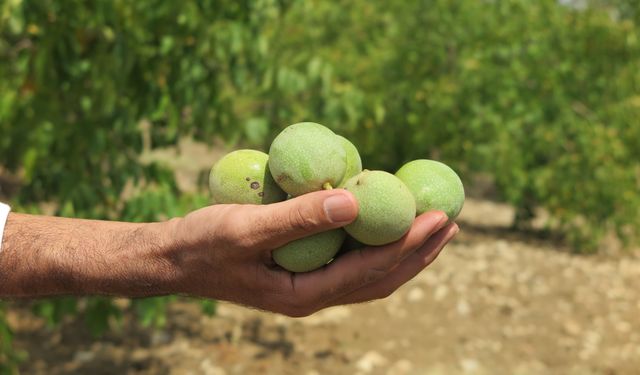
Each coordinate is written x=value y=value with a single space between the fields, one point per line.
x=274 y=225
x=360 y=267
x=405 y=271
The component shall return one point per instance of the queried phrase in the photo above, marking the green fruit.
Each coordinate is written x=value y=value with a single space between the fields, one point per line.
x=434 y=185
x=309 y=253
x=243 y=177
x=354 y=163
x=307 y=157
x=387 y=208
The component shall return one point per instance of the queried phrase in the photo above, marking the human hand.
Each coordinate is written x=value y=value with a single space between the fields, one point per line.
x=224 y=252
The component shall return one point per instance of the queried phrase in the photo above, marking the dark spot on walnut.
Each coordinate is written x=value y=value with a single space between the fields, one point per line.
x=248 y=178
x=255 y=185
x=358 y=182
x=261 y=194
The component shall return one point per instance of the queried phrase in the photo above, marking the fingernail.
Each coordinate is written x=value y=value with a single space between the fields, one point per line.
x=439 y=221
x=339 y=208
x=443 y=220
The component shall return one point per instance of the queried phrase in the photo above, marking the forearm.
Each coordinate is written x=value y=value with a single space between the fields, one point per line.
x=47 y=256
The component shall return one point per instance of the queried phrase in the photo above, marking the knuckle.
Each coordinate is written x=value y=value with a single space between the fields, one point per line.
x=246 y=241
x=229 y=216
x=234 y=229
x=301 y=219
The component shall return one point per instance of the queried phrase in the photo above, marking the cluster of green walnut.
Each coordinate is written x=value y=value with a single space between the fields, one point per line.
x=307 y=157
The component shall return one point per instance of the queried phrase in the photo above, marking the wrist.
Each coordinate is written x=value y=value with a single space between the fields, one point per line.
x=158 y=261
x=174 y=255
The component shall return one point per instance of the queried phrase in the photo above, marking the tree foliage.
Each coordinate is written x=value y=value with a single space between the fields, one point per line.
x=544 y=96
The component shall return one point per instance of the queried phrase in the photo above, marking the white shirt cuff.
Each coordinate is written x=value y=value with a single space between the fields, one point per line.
x=4 y=213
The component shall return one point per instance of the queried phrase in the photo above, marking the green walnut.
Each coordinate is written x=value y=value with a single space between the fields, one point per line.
x=387 y=207
x=243 y=177
x=434 y=185
x=309 y=253
x=307 y=157
x=354 y=163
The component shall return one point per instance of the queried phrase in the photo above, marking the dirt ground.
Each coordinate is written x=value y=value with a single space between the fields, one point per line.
x=495 y=302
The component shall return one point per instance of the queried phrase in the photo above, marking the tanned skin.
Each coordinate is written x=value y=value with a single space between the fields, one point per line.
x=221 y=252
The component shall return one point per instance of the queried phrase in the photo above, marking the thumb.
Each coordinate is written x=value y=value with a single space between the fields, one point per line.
x=279 y=223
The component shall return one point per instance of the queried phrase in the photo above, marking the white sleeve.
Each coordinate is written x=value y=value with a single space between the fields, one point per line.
x=4 y=213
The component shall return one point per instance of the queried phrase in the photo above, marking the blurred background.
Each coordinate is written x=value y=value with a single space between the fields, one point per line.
x=117 y=110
